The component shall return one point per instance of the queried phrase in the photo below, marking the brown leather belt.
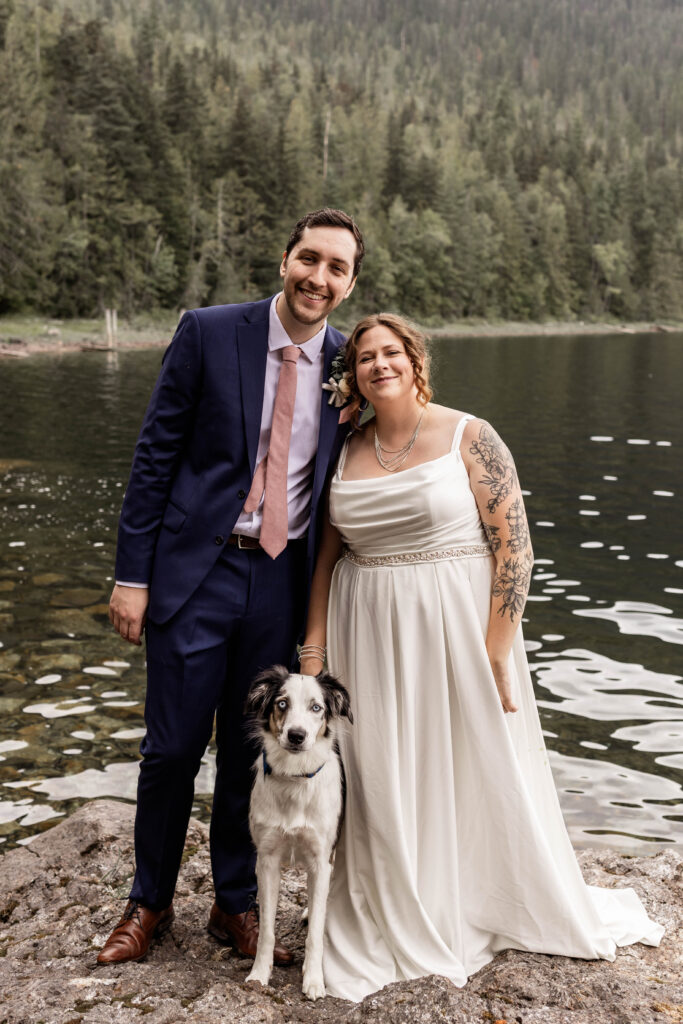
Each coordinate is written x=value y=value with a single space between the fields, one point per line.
x=238 y=540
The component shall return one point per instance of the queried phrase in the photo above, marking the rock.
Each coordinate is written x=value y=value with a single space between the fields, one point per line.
x=77 y=597
x=61 y=895
x=40 y=663
x=10 y=704
x=418 y=1002
x=98 y=609
x=47 y=579
x=72 y=621
x=56 y=644
x=8 y=660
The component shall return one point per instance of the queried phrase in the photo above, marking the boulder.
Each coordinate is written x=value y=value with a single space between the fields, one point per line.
x=61 y=894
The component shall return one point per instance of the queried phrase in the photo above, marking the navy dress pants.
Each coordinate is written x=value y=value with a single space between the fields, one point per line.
x=245 y=616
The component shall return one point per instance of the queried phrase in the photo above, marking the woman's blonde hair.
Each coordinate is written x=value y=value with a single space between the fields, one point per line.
x=414 y=341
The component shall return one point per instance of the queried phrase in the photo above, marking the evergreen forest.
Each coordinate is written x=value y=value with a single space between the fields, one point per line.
x=516 y=159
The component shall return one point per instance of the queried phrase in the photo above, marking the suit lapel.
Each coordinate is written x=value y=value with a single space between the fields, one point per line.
x=252 y=348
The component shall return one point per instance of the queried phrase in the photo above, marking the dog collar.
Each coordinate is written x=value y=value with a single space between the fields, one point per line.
x=267 y=770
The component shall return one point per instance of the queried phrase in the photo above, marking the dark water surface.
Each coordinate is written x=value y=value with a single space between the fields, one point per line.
x=595 y=427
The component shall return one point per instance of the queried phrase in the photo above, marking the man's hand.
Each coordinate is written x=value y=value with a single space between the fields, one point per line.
x=128 y=611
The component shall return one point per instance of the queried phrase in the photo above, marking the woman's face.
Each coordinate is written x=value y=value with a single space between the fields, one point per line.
x=383 y=368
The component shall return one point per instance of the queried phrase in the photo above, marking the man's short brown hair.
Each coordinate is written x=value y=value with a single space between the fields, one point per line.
x=329 y=218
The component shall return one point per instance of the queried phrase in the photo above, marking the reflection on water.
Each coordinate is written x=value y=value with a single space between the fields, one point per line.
x=119 y=780
x=594 y=427
x=641 y=619
x=599 y=688
x=611 y=796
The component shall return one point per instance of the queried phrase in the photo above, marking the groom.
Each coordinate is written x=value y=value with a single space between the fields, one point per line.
x=217 y=538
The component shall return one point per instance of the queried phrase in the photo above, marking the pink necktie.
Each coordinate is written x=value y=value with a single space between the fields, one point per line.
x=271 y=472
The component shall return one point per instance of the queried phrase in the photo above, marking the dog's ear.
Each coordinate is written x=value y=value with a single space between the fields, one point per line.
x=337 y=700
x=263 y=691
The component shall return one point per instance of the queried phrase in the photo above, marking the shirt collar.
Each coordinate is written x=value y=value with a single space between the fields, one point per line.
x=278 y=337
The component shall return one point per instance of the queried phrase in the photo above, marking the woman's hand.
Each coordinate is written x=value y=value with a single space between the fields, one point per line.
x=311 y=666
x=499 y=667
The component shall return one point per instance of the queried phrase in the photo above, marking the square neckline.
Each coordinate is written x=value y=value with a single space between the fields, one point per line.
x=454 y=450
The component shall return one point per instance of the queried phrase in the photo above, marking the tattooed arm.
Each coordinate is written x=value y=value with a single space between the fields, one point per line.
x=493 y=479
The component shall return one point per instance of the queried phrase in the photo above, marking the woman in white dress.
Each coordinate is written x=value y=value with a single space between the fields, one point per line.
x=453 y=845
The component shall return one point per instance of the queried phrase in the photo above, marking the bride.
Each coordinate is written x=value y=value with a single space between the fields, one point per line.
x=453 y=845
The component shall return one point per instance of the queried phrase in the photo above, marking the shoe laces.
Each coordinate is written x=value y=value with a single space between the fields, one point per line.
x=252 y=908
x=132 y=911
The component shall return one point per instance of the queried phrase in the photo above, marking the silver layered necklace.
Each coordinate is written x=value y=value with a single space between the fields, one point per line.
x=397 y=456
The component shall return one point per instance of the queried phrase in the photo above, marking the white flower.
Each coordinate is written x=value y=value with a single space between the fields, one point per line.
x=340 y=390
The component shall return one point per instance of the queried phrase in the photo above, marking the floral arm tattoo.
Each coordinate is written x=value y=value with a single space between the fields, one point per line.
x=492 y=536
x=511 y=583
x=519 y=530
x=501 y=505
x=500 y=475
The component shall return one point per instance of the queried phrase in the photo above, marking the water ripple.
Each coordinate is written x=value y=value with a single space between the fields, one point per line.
x=119 y=779
x=638 y=618
x=658 y=737
x=594 y=686
x=602 y=799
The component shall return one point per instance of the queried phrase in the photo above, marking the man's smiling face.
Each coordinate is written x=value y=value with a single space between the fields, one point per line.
x=317 y=275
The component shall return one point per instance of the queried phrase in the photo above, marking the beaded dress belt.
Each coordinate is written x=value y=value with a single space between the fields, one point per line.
x=410 y=557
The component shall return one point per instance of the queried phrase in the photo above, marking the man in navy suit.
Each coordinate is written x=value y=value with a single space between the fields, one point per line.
x=216 y=607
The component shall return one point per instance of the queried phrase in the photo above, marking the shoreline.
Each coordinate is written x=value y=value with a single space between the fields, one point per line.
x=19 y=340
x=549 y=329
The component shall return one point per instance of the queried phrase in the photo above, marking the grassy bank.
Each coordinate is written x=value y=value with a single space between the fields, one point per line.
x=23 y=334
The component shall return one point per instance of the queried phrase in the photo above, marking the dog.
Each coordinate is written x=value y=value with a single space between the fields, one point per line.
x=297 y=802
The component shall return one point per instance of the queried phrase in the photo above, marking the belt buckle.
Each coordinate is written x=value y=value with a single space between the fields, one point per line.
x=240 y=538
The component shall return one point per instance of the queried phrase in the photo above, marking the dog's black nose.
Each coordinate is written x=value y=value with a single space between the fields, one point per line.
x=296 y=737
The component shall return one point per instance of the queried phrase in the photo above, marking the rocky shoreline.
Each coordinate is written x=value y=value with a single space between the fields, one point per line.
x=20 y=348
x=61 y=894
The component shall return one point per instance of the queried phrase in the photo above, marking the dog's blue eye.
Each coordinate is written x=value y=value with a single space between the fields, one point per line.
x=316 y=708
x=282 y=704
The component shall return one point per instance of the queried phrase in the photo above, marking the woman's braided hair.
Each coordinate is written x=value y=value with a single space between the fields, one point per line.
x=415 y=343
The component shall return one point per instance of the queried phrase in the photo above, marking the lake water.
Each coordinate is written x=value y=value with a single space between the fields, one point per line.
x=594 y=424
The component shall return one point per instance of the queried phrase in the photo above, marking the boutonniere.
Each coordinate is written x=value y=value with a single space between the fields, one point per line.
x=338 y=386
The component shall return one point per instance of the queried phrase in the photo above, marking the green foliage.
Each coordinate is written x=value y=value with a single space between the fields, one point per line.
x=515 y=158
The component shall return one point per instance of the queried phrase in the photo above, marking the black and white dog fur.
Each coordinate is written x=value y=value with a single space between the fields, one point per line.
x=296 y=802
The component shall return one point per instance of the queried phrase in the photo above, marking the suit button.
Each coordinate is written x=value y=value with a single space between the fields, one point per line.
x=241 y=495
x=219 y=539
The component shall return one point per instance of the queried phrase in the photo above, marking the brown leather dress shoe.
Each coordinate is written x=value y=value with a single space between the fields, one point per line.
x=132 y=936
x=241 y=932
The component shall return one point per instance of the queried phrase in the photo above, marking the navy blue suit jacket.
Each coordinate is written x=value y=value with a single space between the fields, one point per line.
x=196 y=453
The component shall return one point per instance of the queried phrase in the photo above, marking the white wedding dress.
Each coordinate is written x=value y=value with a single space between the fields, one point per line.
x=453 y=845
